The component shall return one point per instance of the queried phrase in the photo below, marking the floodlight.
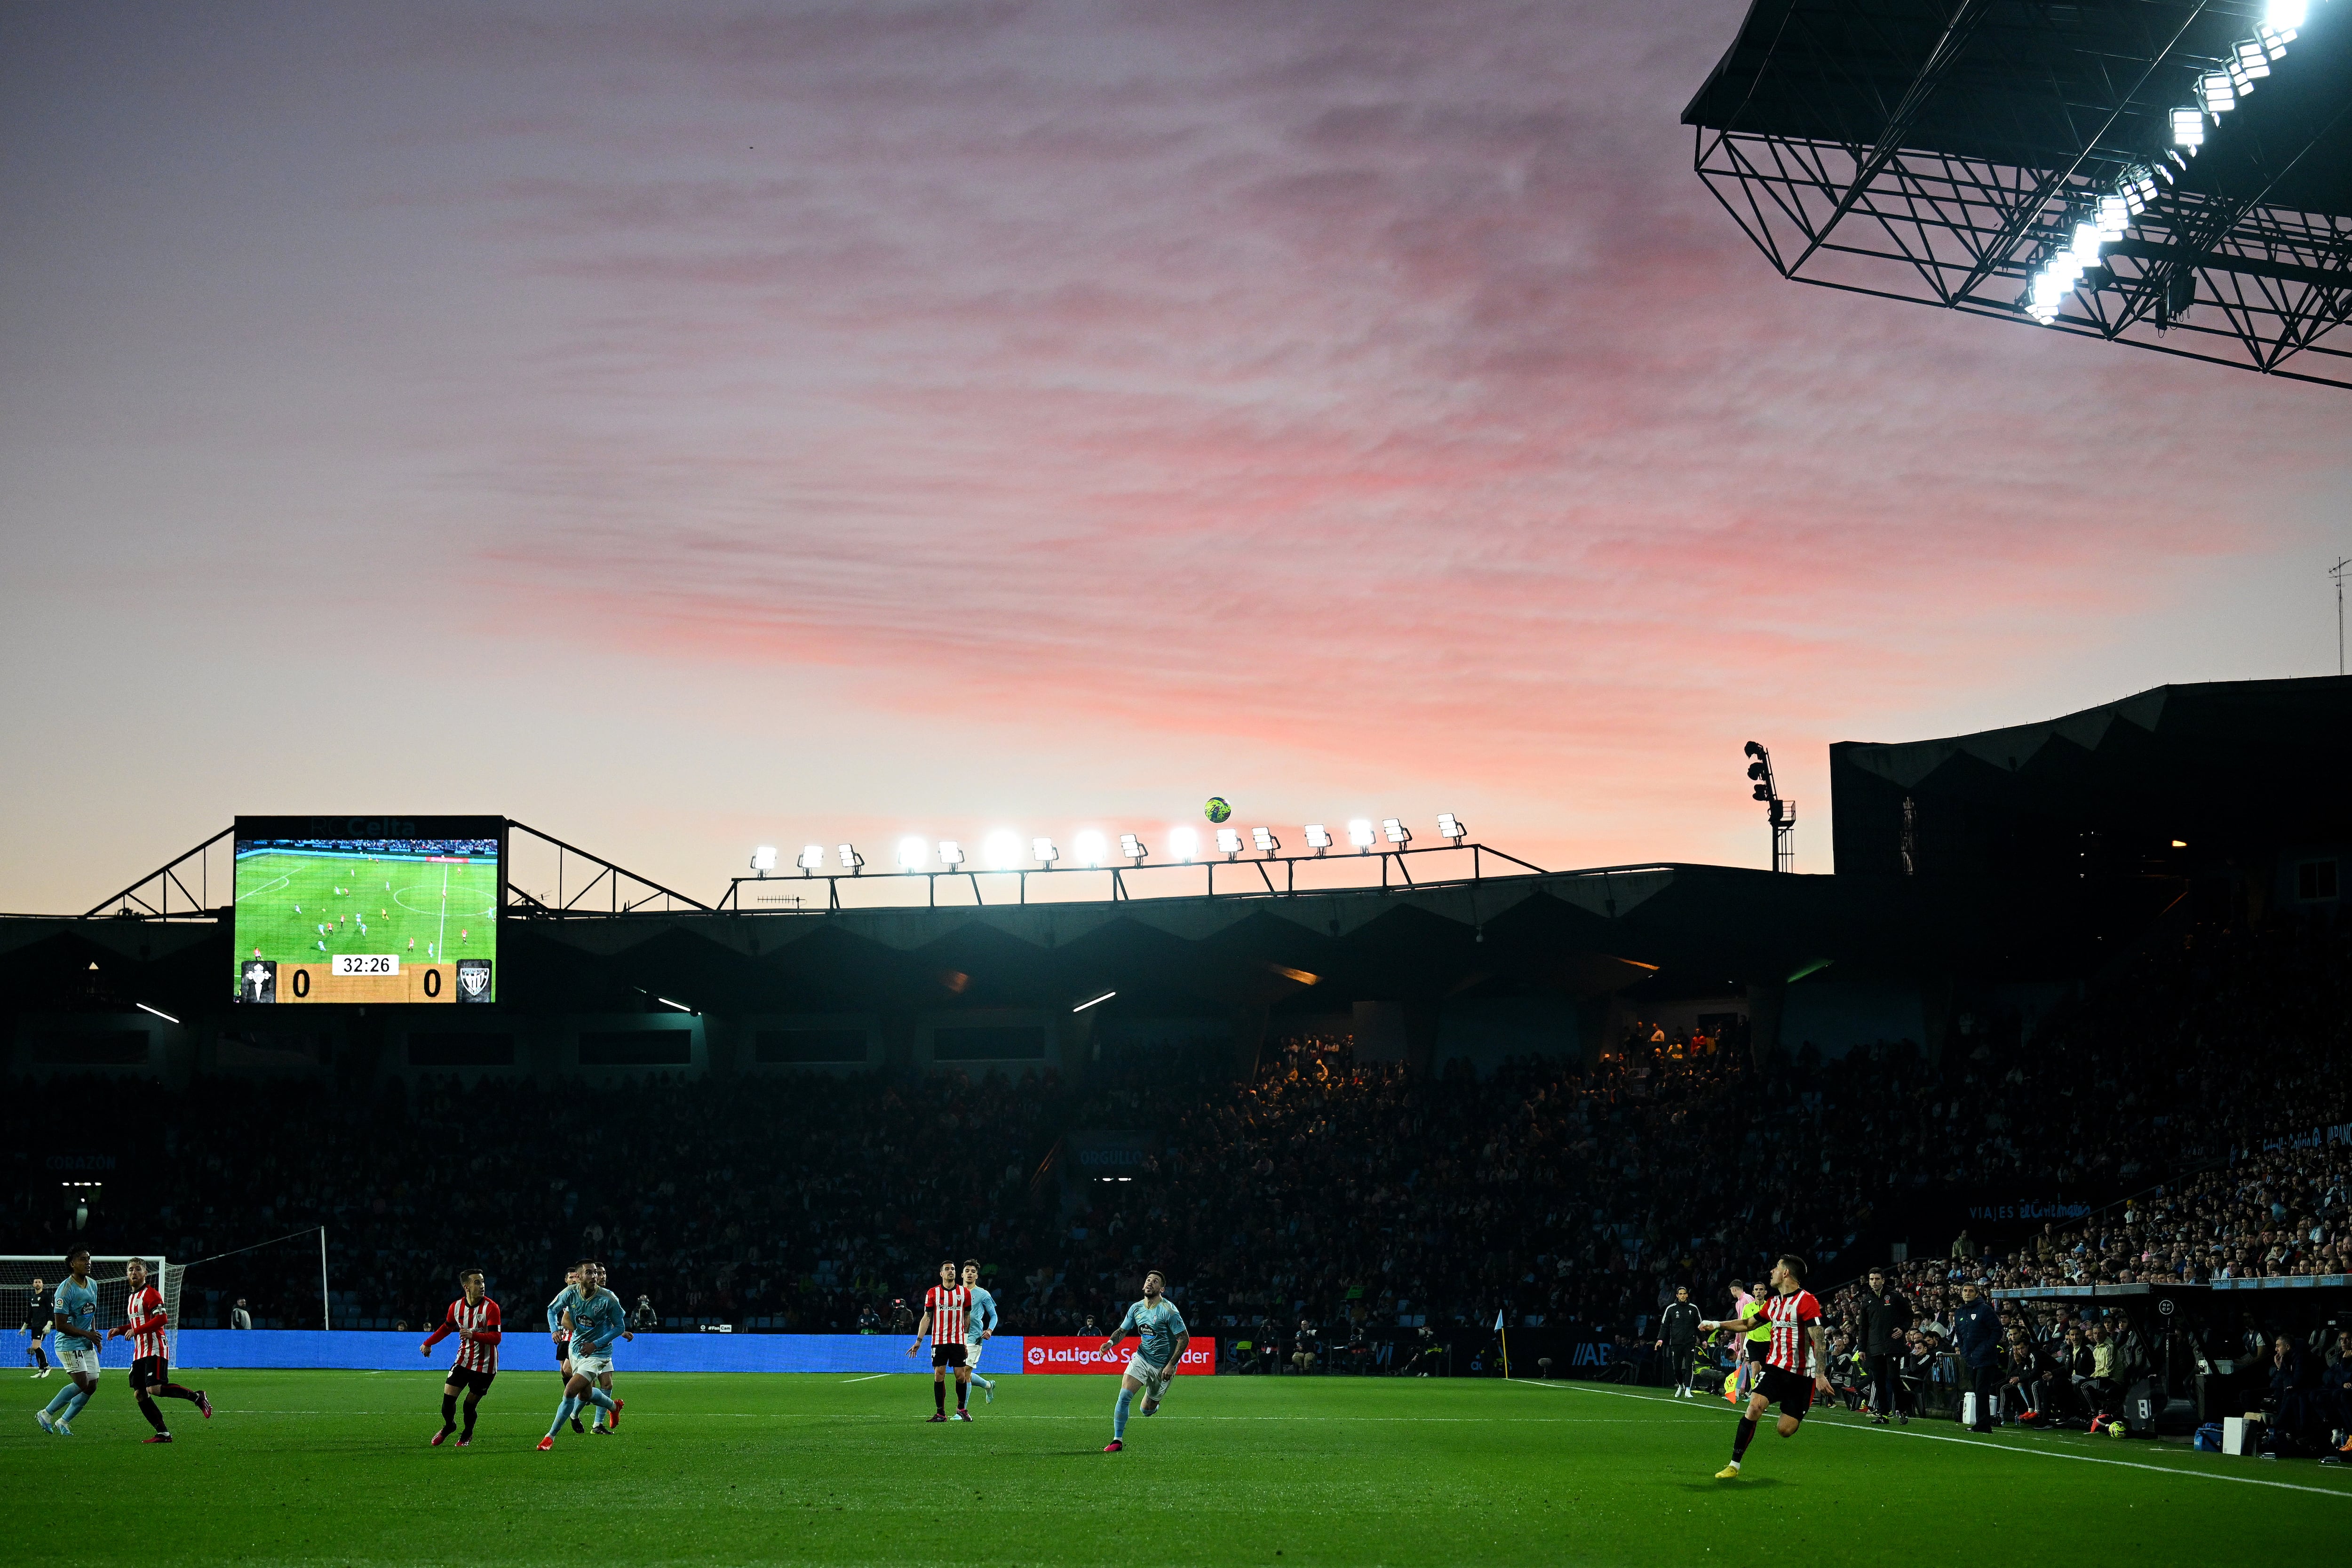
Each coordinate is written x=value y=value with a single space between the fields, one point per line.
x=850 y=860
x=2214 y=90
x=1265 y=839
x=812 y=858
x=1000 y=850
x=1450 y=827
x=1133 y=848
x=1394 y=831
x=913 y=853
x=1359 y=833
x=1042 y=850
x=951 y=852
x=2253 y=61
x=2088 y=240
x=763 y=858
x=1229 y=842
x=2273 y=42
x=1183 y=843
x=2283 y=17
x=2189 y=128
x=2114 y=216
x=1090 y=848
x=1319 y=838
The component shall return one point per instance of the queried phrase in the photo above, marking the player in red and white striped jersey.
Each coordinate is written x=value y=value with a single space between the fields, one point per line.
x=150 y=1366
x=474 y=1319
x=946 y=1305
x=1796 y=1366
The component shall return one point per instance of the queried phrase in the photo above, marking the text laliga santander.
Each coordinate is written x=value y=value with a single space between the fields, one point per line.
x=1050 y=1355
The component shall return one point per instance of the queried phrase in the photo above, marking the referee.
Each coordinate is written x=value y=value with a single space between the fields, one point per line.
x=1678 y=1337
x=38 y=1320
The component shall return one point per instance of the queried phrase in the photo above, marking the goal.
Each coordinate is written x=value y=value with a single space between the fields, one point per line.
x=18 y=1270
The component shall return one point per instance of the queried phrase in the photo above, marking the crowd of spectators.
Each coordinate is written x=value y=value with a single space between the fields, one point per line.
x=1322 y=1199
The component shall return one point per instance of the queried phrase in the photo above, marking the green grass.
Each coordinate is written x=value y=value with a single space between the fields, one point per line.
x=425 y=903
x=1292 y=1472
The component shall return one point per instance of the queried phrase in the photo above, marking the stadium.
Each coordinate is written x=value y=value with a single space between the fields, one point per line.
x=404 y=1187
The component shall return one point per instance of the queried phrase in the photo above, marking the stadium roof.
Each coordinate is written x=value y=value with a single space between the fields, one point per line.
x=1940 y=152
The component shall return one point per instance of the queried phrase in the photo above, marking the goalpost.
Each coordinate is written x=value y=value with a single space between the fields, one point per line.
x=107 y=1276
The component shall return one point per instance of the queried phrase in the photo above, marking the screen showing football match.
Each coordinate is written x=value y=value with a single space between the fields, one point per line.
x=368 y=908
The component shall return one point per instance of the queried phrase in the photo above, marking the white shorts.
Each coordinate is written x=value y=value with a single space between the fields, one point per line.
x=972 y=1349
x=591 y=1366
x=77 y=1358
x=1155 y=1379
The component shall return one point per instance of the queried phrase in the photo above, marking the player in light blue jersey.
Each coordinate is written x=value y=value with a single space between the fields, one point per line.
x=979 y=1327
x=75 y=1310
x=597 y=1320
x=1161 y=1338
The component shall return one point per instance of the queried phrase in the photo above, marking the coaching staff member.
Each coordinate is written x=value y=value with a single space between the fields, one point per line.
x=1976 y=1334
x=1678 y=1337
x=1885 y=1316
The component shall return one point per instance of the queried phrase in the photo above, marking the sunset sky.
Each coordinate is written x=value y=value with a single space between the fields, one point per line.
x=682 y=428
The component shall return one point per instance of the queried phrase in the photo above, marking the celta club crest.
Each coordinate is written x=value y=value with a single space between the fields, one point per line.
x=259 y=981
x=473 y=980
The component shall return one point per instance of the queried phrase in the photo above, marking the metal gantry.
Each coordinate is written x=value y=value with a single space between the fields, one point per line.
x=1940 y=153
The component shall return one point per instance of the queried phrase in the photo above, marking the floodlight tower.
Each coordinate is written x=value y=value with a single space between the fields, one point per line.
x=1781 y=813
x=2343 y=564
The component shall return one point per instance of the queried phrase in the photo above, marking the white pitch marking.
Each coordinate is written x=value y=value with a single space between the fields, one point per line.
x=1997 y=1448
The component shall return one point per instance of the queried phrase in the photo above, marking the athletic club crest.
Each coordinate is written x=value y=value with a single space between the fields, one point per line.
x=473 y=980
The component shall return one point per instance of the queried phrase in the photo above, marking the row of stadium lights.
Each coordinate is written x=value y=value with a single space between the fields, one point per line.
x=1001 y=850
x=2114 y=211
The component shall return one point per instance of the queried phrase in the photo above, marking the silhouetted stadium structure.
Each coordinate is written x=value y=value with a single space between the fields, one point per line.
x=1374 y=1111
x=1945 y=153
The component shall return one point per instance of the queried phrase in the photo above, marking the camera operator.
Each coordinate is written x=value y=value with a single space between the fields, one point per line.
x=1428 y=1356
x=1886 y=1318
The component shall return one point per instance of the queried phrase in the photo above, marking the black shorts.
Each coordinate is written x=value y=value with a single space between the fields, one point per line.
x=476 y=1382
x=1758 y=1349
x=150 y=1372
x=563 y=1351
x=1791 y=1391
x=948 y=1355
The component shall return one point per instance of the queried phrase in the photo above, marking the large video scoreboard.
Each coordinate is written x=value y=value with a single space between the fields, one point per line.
x=369 y=908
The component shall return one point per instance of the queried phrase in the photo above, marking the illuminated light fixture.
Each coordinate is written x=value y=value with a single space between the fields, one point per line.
x=2088 y=240
x=951 y=852
x=1094 y=1001
x=157 y=1011
x=914 y=854
x=1394 y=831
x=1301 y=975
x=2214 y=90
x=1319 y=838
x=2180 y=844
x=1265 y=839
x=812 y=858
x=1359 y=834
x=2273 y=42
x=1450 y=827
x=2114 y=216
x=1042 y=850
x=2189 y=128
x=763 y=858
x=2283 y=17
x=1183 y=843
x=1090 y=848
x=851 y=860
x=1001 y=848
x=1229 y=843
x=667 y=1003
x=1133 y=848
x=2253 y=62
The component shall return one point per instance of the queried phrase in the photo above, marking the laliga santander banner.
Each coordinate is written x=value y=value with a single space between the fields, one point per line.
x=1041 y=1354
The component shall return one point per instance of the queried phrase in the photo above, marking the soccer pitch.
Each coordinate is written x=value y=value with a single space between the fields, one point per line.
x=1288 y=1471
x=448 y=911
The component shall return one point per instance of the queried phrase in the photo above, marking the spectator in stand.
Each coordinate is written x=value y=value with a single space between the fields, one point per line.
x=870 y=1322
x=238 y=1318
x=1886 y=1319
x=644 y=1319
x=1976 y=1334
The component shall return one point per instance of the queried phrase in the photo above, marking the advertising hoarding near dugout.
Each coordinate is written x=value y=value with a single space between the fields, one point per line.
x=383 y=909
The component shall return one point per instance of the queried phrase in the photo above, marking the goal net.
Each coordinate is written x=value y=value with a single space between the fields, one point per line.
x=107 y=1276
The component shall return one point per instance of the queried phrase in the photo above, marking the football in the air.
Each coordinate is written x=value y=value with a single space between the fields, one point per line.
x=1217 y=809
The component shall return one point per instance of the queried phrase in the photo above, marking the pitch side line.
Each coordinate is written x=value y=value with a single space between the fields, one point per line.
x=868 y=1377
x=1997 y=1448
x=266 y=888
